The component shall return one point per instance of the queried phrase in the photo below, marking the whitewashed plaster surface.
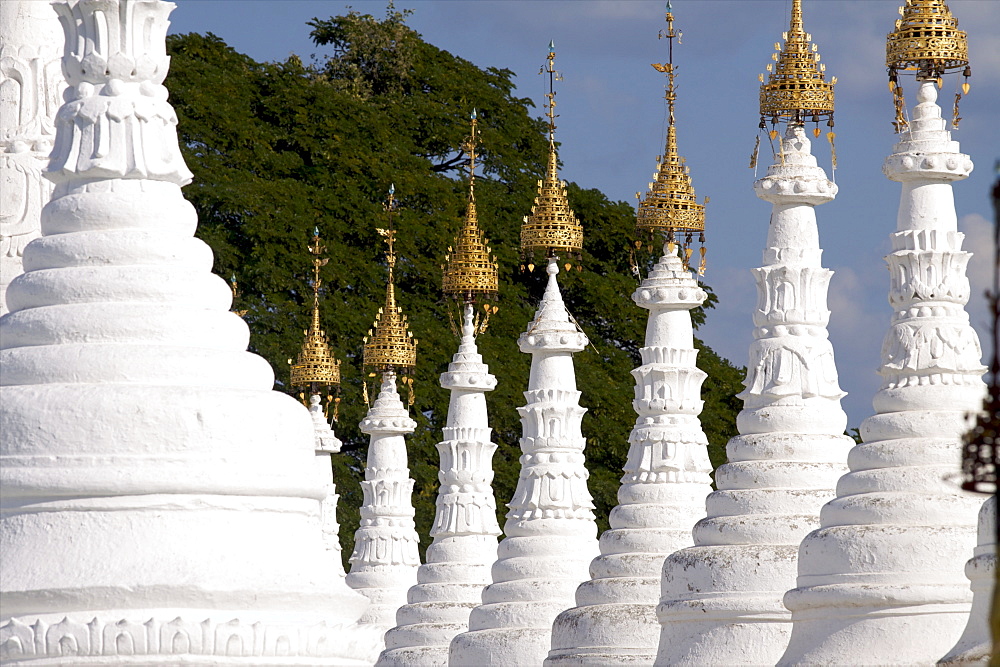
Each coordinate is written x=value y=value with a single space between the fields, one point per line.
x=667 y=477
x=975 y=645
x=722 y=599
x=465 y=526
x=887 y=559
x=327 y=444
x=158 y=502
x=31 y=86
x=551 y=535
x=385 y=559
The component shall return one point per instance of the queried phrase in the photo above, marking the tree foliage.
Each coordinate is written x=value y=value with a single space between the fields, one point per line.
x=278 y=148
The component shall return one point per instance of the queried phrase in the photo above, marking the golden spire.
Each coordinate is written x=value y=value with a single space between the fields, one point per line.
x=389 y=345
x=928 y=43
x=552 y=227
x=670 y=206
x=796 y=90
x=469 y=269
x=315 y=366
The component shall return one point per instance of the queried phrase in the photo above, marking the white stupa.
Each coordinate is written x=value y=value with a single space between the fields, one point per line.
x=883 y=577
x=314 y=370
x=975 y=645
x=551 y=535
x=722 y=599
x=32 y=83
x=159 y=502
x=465 y=526
x=385 y=558
x=667 y=477
x=667 y=473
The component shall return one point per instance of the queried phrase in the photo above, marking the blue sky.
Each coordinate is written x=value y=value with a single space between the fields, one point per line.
x=612 y=124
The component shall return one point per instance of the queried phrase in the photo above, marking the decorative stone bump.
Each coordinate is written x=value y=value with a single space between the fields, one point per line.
x=796 y=179
x=925 y=151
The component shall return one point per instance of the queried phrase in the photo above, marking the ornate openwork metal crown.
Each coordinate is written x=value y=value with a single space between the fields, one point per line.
x=670 y=206
x=928 y=43
x=315 y=365
x=796 y=89
x=926 y=39
x=469 y=268
x=389 y=345
x=552 y=228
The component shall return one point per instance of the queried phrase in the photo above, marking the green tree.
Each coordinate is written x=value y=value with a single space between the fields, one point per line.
x=278 y=148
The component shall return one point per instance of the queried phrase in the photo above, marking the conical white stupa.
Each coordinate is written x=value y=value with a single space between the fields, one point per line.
x=975 y=646
x=160 y=503
x=722 y=599
x=667 y=477
x=551 y=536
x=32 y=83
x=882 y=577
x=465 y=526
x=385 y=559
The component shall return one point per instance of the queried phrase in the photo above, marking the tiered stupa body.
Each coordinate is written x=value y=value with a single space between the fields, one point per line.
x=667 y=477
x=159 y=502
x=551 y=536
x=385 y=558
x=667 y=473
x=31 y=82
x=465 y=526
x=882 y=577
x=975 y=646
x=722 y=599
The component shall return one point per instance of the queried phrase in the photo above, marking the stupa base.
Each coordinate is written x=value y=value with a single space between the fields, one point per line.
x=500 y=647
x=887 y=634
x=185 y=637
x=605 y=634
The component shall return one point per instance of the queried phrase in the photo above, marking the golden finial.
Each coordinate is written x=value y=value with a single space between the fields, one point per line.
x=928 y=43
x=315 y=366
x=552 y=228
x=797 y=90
x=389 y=345
x=469 y=268
x=671 y=207
x=235 y=289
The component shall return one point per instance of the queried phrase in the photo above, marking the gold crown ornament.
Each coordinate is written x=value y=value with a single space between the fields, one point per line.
x=670 y=207
x=315 y=366
x=470 y=271
x=797 y=90
x=927 y=43
x=552 y=228
x=389 y=345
